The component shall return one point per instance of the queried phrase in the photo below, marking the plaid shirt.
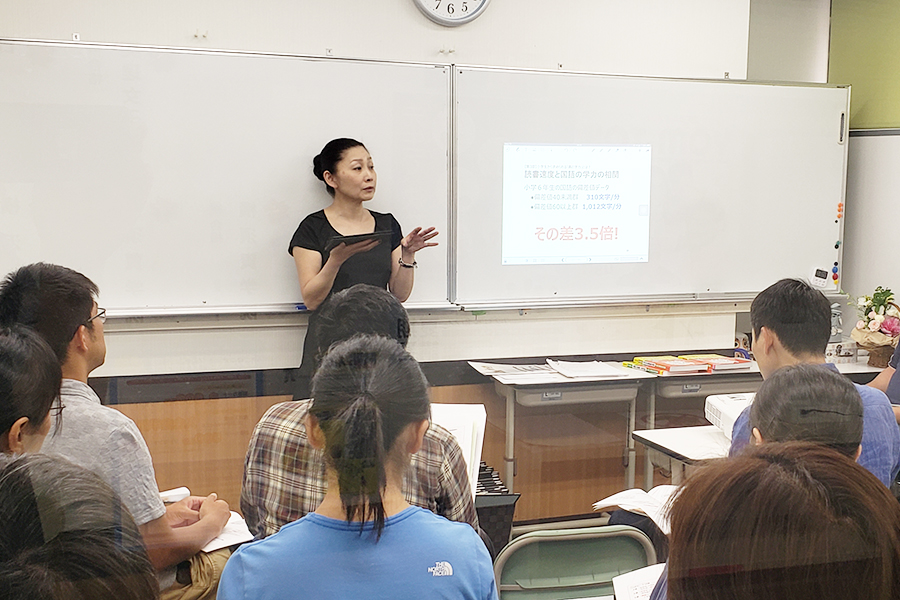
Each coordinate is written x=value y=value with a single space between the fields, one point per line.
x=284 y=477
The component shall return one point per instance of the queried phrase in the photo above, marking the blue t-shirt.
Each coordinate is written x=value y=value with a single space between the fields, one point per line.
x=419 y=555
x=880 y=441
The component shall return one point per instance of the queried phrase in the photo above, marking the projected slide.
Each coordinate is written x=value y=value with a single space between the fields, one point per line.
x=575 y=204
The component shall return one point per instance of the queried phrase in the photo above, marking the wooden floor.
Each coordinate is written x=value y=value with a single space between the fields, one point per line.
x=568 y=457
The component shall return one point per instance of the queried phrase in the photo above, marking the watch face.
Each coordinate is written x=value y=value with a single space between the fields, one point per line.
x=451 y=12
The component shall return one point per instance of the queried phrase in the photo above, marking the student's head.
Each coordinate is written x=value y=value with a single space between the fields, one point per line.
x=30 y=377
x=327 y=160
x=808 y=403
x=793 y=317
x=361 y=309
x=791 y=520
x=369 y=413
x=65 y=535
x=59 y=304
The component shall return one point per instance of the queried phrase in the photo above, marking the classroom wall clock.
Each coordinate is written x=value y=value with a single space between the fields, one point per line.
x=451 y=13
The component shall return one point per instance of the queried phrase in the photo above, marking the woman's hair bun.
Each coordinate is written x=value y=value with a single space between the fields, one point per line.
x=330 y=156
x=318 y=170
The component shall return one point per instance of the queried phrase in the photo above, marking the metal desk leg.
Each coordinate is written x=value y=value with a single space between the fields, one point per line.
x=509 y=457
x=629 y=469
x=651 y=424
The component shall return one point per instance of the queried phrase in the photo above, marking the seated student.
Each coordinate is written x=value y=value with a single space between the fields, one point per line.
x=791 y=520
x=806 y=403
x=889 y=382
x=791 y=324
x=369 y=413
x=284 y=478
x=801 y=403
x=65 y=535
x=60 y=305
x=29 y=384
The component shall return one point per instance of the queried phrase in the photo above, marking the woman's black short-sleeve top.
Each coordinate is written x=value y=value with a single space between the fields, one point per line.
x=372 y=267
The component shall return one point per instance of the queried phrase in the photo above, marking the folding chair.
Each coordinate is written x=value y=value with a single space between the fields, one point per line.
x=570 y=563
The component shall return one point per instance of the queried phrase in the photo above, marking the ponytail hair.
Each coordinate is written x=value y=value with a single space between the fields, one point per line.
x=365 y=393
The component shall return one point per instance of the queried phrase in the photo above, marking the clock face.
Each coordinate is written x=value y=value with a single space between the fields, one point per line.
x=452 y=12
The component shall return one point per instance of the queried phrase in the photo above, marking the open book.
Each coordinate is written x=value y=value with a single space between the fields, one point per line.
x=466 y=422
x=654 y=504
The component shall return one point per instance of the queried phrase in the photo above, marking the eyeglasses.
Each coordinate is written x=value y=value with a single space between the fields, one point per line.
x=101 y=315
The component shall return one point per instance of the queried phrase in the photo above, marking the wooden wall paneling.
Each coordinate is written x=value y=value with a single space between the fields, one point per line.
x=200 y=443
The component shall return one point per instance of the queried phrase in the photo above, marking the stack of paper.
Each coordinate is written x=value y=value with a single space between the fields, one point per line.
x=637 y=585
x=552 y=372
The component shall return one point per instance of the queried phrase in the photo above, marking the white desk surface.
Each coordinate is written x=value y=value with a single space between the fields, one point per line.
x=860 y=366
x=687 y=444
x=538 y=378
x=553 y=378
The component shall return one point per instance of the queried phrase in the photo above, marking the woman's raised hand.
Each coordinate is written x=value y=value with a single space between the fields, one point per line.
x=418 y=238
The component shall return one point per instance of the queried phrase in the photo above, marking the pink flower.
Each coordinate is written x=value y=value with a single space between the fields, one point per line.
x=874 y=325
x=860 y=324
x=891 y=326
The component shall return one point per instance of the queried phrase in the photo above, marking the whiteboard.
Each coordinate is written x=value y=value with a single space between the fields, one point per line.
x=175 y=179
x=745 y=185
x=872 y=211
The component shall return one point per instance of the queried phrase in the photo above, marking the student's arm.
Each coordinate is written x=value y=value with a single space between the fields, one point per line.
x=883 y=379
x=454 y=480
x=168 y=545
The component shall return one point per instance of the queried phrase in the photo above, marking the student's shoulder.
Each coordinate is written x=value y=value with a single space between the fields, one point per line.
x=93 y=415
x=439 y=435
x=426 y=519
x=282 y=421
x=286 y=411
x=872 y=397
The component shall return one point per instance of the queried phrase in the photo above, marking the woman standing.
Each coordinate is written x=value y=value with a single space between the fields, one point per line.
x=347 y=170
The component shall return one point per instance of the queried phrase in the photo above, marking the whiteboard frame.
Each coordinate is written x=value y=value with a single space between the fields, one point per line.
x=474 y=304
x=274 y=307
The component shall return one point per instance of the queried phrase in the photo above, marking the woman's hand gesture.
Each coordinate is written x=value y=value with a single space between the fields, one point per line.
x=418 y=238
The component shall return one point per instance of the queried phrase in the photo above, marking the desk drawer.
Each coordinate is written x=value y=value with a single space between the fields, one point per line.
x=572 y=394
x=705 y=385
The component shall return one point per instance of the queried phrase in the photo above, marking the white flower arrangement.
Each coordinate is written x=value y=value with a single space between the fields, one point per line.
x=878 y=313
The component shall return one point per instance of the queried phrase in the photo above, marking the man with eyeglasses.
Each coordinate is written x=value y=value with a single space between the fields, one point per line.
x=60 y=305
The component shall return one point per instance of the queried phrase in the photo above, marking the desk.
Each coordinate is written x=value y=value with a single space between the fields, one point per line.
x=688 y=445
x=685 y=446
x=557 y=390
x=701 y=385
x=697 y=385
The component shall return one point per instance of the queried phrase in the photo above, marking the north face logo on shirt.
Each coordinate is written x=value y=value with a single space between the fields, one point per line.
x=441 y=569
